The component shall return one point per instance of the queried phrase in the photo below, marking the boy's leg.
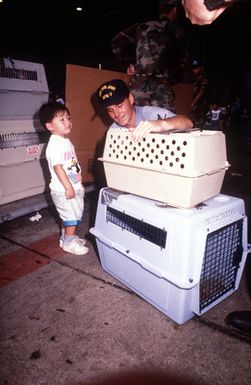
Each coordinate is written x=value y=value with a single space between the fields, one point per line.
x=72 y=243
x=70 y=231
x=70 y=211
x=62 y=235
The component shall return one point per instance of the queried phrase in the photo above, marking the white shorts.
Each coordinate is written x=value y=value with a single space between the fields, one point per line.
x=69 y=210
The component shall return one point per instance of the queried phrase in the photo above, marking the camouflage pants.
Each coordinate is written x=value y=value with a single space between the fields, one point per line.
x=152 y=91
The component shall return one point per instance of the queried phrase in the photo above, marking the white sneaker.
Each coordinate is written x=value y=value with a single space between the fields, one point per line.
x=81 y=240
x=75 y=247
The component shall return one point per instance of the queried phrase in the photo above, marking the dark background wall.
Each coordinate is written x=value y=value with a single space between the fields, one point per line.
x=51 y=32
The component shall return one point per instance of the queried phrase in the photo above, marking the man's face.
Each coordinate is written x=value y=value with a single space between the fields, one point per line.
x=197 y=70
x=123 y=113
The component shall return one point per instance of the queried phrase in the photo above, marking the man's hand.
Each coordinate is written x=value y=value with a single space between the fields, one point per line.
x=141 y=131
x=198 y=13
x=131 y=70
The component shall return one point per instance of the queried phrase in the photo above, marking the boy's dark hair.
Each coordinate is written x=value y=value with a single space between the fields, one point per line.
x=49 y=110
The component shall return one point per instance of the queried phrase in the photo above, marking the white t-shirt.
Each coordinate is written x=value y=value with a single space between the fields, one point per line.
x=148 y=113
x=215 y=114
x=61 y=151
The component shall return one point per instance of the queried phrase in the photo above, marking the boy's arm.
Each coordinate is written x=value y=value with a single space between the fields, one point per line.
x=62 y=176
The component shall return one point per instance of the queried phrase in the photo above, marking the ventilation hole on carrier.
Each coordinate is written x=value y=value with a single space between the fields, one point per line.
x=157 y=145
x=133 y=158
x=182 y=165
x=151 y=161
x=125 y=157
x=130 y=143
x=139 y=144
x=111 y=136
x=142 y=160
x=185 y=143
x=121 y=151
x=114 y=141
x=130 y=152
x=110 y=146
x=177 y=159
x=143 y=149
x=178 y=148
x=113 y=151
x=147 y=155
x=144 y=139
x=166 y=157
x=162 y=152
x=153 y=140
x=183 y=154
x=172 y=153
x=134 y=148
x=156 y=156
x=126 y=148
x=152 y=150
x=148 y=144
x=138 y=153
x=118 y=136
x=110 y=155
x=163 y=141
x=173 y=141
x=167 y=147
x=171 y=164
x=161 y=163
x=117 y=156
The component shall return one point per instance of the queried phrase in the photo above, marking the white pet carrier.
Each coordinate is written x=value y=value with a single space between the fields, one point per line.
x=182 y=169
x=182 y=261
x=23 y=168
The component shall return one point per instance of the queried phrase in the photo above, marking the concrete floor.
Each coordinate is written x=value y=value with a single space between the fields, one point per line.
x=64 y=320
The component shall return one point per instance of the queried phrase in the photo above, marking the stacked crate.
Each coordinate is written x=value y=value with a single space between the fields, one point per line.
x=162 y=227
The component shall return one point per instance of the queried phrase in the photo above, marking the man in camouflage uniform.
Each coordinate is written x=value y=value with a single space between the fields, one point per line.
x=156 y=49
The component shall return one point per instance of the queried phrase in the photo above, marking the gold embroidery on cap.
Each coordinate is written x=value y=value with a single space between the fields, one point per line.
x=106 y=87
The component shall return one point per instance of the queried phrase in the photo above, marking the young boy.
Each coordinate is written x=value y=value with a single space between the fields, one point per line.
x=66 y=187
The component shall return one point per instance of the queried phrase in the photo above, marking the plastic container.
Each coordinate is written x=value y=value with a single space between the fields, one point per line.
x=181 y=169
x=182 y=261
x=23 y=167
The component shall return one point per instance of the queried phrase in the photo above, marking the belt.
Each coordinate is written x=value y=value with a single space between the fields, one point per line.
x=149 y=75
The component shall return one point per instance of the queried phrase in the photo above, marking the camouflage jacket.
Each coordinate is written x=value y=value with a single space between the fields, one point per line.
x=154 y=47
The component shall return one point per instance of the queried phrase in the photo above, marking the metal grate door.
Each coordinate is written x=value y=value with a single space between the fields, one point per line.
x=138 y=227
x=222 y=257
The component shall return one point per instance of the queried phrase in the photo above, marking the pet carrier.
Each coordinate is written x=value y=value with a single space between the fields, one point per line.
x=182 y=261
x=182 y=169
x=23 y=168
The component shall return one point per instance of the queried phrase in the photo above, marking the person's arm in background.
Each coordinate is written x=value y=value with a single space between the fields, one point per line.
x=124 y=45
x=203 y=12
x=197 y=98
x=202 y=91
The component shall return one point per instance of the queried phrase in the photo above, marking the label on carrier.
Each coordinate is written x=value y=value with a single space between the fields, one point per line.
x=33 y=150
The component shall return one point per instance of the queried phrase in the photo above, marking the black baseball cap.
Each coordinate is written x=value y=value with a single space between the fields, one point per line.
x=113 y=92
